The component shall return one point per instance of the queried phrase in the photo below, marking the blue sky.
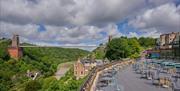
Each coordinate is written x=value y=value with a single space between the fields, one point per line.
x=86 y=22
x=41 y=28
x=125 y=28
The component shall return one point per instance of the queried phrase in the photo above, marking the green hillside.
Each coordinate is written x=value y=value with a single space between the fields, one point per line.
x=13 y=73
x=3 y=48
x=99 y=52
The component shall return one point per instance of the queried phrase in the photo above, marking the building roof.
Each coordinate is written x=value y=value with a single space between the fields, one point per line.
x=170 y=33
x=87 y=61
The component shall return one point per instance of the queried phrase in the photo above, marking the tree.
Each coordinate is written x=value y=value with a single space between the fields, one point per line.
x=147 y=42
x=118 y=48
x=134 y=47
x=47 y=82
x=3 y=49
x=33 y=86
x=123 y=47
x=99 y=52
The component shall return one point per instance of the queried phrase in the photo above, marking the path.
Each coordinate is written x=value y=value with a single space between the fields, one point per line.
x=62 y=69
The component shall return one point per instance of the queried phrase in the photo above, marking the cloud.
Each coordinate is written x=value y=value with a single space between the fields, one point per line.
x=158 y=2
x=61 y=35
x=132 y=34
x=57 y=22
x=148 y=33
x=43 y=11
x=67 y=12
x=165 y=18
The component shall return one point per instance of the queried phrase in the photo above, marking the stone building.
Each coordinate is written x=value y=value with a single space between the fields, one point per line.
x=82 y=67
x=168 y=45
x=166 y=40
x=15 y=51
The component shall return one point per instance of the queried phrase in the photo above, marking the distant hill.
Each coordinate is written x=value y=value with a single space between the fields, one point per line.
x=43 y=60
x=27 y=44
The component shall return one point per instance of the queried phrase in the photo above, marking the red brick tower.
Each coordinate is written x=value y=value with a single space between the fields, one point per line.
x=14 y=50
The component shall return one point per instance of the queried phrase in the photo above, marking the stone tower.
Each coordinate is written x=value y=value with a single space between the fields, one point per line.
x=15 y=51
x=109 y=38
x=15 y=41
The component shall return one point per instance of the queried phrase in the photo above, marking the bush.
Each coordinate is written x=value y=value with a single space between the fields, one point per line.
x=33 y=86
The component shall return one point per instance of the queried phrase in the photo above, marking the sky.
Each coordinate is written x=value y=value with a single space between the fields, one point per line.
x=86 y=22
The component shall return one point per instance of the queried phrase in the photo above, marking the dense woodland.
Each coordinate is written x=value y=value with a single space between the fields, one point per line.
x=45 y=61
x=42 y=60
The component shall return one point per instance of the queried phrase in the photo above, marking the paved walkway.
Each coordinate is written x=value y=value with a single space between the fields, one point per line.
x=62 y=69
x=127 y=80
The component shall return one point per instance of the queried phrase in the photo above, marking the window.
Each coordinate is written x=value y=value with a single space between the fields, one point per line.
x=75 y=72
x=81 y=72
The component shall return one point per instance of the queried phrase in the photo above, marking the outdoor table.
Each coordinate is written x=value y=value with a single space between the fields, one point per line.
x=172 y=71
x=165 y=80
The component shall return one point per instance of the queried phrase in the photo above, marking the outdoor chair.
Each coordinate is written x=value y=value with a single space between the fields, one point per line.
x=155 y=78
x=176 y=85
x=138 y=71
x=144 y=74
x=149 y=75
x=102 y=84
x=135 y=67
x=155 y=81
